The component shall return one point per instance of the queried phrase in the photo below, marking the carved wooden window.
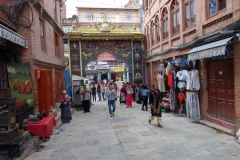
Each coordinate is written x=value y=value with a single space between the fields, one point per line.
x=215 y=6
x=42 y=37
x=152 y=34
x=57 y=44
x=165 y=23
x=175 y=17
x=190 y=13
x=157 y=29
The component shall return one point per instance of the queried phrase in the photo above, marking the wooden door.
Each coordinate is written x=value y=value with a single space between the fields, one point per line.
x=45 y=91
x=58 y=85
x=221 y=89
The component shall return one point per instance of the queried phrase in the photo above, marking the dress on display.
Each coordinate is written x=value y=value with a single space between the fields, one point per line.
x=192 y=100
x=161 y=84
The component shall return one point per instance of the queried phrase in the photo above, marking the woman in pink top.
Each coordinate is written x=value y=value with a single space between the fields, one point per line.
x=129 y=97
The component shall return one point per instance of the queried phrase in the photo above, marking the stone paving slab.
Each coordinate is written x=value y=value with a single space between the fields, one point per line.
x=129 y=136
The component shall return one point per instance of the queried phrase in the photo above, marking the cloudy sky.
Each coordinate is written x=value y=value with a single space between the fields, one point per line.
x=72 y=4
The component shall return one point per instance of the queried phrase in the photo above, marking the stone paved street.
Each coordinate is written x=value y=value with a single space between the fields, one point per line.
x=128 y=135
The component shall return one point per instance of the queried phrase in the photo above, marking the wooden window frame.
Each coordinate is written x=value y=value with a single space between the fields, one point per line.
x=217 y=8
x=42 y=34
x=192 y=17
x=152 y=34
x=157 y=29
x=56 y=44
x=165 y=19
x=175 y=17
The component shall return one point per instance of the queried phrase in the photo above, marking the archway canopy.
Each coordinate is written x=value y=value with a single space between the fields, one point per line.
x=105 y=56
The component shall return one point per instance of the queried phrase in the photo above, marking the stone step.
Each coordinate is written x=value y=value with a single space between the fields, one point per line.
x=29 y=144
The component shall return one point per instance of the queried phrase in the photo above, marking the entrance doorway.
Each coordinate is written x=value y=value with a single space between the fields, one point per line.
x=45 y=92
x=221 y=99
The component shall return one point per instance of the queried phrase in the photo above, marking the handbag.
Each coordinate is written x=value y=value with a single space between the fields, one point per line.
x=129 y=91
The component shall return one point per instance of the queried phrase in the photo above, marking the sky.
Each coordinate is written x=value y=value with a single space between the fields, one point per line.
x=72 y=4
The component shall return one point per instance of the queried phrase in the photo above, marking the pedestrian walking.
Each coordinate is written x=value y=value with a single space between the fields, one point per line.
x=155 y=101
x=122 y=98
x=137 y=95
x=66 y=116
x=99 y=92
x=93 y=91
x=103 y=91
x=85 y=96
x=110 y=94
x=144 y=93
x=129 y=97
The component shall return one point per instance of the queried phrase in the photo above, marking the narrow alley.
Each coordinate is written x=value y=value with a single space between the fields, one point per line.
x=129 y=136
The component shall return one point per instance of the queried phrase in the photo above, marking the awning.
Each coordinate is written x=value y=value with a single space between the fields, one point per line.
x=213 y=49
x=13 y=37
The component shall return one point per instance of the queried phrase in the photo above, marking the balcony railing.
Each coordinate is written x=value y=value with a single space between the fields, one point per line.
x=69 y=21
x=110 y=19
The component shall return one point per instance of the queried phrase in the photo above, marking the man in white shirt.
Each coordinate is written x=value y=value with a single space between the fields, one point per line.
x=86 y=97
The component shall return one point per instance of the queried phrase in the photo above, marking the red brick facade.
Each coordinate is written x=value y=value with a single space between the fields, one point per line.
x=205 y=25
x=44 y=60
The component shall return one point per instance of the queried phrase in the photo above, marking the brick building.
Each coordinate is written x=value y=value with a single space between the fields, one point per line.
x=38 y=27
x=194 y=29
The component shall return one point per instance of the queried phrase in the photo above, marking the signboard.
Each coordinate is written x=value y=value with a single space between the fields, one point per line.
x=97 y=66
x=7 y=34
x=118 y=69
x=3 y=43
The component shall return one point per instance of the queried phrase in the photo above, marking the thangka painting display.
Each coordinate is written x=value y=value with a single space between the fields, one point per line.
x=137 y=57
x=75 y=58
x=20 y=82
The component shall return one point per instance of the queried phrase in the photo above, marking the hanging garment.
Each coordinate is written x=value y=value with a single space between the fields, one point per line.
x=193 y=82
x=182 y=75
x=168 y=68
x=181 y=97
x=182 y=85
x=172 y=100
x=170 y=80
x=161 y=67
x=161 y=84
x=192 y=106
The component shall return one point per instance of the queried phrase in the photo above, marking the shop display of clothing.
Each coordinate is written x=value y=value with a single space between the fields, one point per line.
x=161 y=67
x=161 y=84
x=193 y=82
x=182 y=77
x=168 y=68
x=171 y=80
x=172 y=99
x=192 y=106
x=181 y=98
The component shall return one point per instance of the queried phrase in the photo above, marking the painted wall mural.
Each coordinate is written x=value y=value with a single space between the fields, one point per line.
x=121 y=49
x=137 y=57
x=20 y=82
x=75 y=58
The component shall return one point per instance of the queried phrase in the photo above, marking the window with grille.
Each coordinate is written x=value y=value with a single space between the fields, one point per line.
x=89 y=16
x=128 y=16
x=41 y=33
x=57 y=44
x=175 y=17
x=190 y=13
x=215 y=6
x=165 y=23
x=157 y=29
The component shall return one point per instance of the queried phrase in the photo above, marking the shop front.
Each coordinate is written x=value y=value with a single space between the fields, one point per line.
x=200 y=82
x=220 y=86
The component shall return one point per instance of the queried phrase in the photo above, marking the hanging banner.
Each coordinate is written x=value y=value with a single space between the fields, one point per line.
x=137 y=59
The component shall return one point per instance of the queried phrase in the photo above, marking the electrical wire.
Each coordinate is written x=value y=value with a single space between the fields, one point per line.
x=14 y=9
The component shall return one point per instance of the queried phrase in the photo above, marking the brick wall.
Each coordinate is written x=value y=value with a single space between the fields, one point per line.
x=237 y=82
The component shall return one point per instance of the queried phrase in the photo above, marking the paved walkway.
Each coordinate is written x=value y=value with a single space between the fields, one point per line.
x=129 y=136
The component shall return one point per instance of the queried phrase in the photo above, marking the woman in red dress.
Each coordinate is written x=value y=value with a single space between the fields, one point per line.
x=129 y=97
